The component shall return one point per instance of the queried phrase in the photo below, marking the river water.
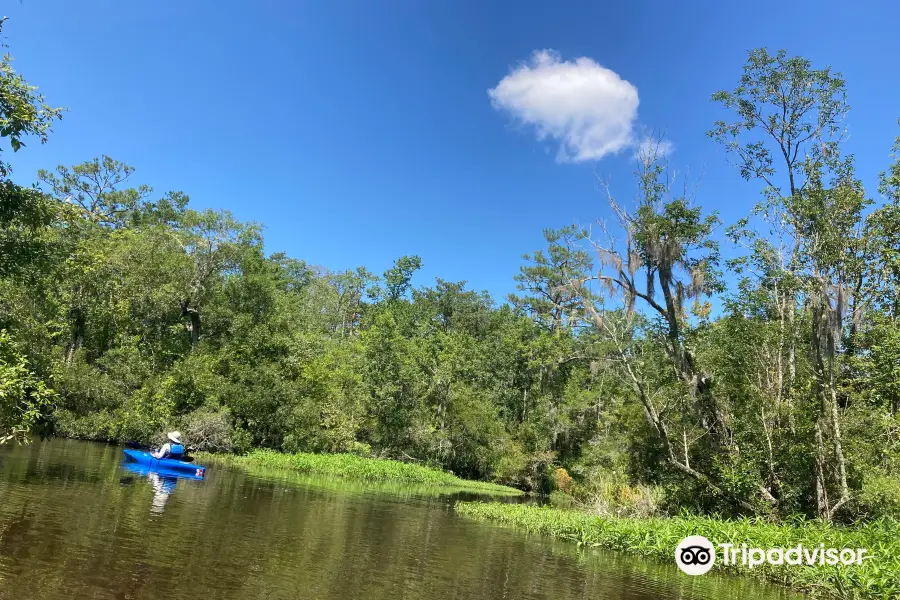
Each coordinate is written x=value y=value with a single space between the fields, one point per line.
x=75 y=523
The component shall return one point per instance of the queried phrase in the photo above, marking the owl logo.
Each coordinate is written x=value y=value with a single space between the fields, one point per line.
x=695 y=555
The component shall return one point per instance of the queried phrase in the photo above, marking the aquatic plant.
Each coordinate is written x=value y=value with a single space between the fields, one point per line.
x=876 y=578
x=351 y=466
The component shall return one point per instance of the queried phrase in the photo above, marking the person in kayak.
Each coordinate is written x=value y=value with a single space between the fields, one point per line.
x=171 y=449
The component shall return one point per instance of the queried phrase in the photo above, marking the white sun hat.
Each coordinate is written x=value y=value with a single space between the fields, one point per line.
x=175 y=436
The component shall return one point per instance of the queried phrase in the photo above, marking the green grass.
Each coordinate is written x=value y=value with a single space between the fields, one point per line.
x=877 y=578
x=354 y=467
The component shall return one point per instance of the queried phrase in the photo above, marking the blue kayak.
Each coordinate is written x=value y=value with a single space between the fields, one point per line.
x=165 y=464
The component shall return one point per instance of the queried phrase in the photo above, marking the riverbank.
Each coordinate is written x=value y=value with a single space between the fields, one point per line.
x=68 y=508
x=877 y=578
x=351 y=466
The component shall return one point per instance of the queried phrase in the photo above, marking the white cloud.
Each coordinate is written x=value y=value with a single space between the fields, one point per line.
x=587 y=108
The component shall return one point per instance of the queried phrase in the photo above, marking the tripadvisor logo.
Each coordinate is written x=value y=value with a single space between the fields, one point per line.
x=696 y=555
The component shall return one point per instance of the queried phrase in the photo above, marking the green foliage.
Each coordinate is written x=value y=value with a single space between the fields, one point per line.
x=786 y=99
x=657 y=538
x=550 y=299
x=24 y=398
x=397 y=278
x=23 y=211
x=889 y=181
x=879 y=497
x=610 y=494
x=95 y=186
x=351 y=466
x=23 y=113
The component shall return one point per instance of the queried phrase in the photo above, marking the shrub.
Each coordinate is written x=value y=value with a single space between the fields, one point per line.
x=24 y=399
x=83 y=389
x=241 y=441
x=562 y=479
x=512 y=463
x=533 y=472
x=98 y=426
x=144 y=415
x=879 y=497
x=208 y=430
x=611 y=495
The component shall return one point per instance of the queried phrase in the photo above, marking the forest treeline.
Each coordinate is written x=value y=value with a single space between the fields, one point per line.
x=628 y=371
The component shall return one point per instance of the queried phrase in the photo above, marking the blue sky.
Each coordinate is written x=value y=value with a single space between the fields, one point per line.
x=357 y=132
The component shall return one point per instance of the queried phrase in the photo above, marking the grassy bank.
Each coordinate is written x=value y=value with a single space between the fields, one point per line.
x=350 y=466
x=877 y=578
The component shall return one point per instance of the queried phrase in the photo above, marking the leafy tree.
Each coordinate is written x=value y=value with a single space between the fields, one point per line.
x=346 y=295
x=212 y=244
x=608 y=376
x=23 y=112
x=24 y=398
x=788 y=136
x=668 y=243
x=23 y=211
x=397 y=278
x=96 y=186
x=550 y=298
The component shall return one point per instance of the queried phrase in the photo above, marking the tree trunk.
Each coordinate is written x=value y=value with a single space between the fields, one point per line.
x=774 y=481
x=193 y=325
x=824 y=344
x=78 y=327
x=699 y=383
x=821 y=491
x=839 y=455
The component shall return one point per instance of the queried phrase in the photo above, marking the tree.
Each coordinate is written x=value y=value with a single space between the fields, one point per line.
x=96 y=186
x=876 y=364
x=24 y=215
x=790 y=114
x=549 y=297
x=883 y=233
x=24 y=398
x=84 y=244
x=397 y=278
x=349 y=290
x=668 y=243
x=212 y=243
x=23 y=112
x=23 y=211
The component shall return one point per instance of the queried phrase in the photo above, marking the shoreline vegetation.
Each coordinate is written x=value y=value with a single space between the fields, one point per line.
x=657 y=538
x=352 y=467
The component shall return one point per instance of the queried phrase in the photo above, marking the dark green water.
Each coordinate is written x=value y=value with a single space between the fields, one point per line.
x=75 y=524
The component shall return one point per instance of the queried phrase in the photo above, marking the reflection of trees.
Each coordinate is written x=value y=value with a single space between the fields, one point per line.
x=234 y=537
x=15 y=536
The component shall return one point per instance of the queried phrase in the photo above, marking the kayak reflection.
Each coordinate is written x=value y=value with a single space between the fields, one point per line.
x=162 y=487
x=163 y=482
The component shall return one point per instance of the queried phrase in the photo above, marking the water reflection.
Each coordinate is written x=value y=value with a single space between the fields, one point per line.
x=163 y=484
x=162 y=487
x=75 y=524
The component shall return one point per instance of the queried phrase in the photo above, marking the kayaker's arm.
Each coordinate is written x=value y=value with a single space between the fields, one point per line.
x=162 y=451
